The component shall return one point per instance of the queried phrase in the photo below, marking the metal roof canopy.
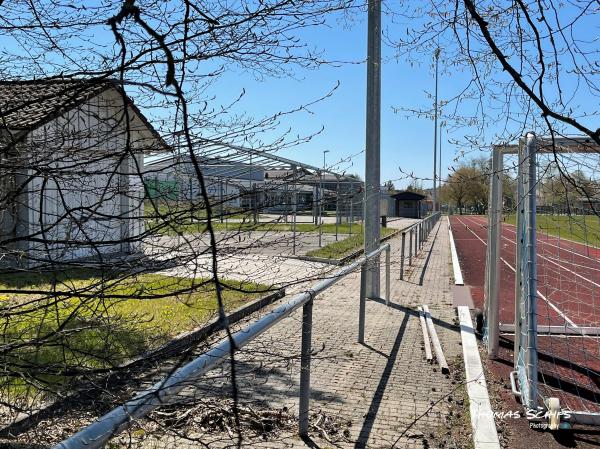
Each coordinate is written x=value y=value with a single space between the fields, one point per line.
x=219 y=153
x=566 y=144
x=264 y=159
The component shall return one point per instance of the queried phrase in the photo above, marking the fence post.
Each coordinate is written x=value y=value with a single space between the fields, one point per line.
x=410 y=247
x=362 y=303
x=402 y=256
x=520 y=237
x=320 y=209
x=416 y=239
x=493 y=255
x=305 y=368
x=531 y=299
x=387 y=275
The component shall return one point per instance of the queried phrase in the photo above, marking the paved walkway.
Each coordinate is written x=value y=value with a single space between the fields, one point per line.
x=373 y=392
x=258 y=256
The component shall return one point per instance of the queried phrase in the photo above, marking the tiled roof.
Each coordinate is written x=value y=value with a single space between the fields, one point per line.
x=25 y=105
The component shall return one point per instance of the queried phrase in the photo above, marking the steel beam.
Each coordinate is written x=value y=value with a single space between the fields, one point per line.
x=492 y=284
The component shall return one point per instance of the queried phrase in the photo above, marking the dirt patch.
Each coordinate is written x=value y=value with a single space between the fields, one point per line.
x=455 y=431
x=515 y=432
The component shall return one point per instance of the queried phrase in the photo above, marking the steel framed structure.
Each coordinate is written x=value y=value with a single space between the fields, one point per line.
x=231 y=161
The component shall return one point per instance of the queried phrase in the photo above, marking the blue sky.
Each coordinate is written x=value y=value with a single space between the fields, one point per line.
x=406 y=143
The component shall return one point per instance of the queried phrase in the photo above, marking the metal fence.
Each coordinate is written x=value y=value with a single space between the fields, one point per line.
x=417 y=234
x=98 y=434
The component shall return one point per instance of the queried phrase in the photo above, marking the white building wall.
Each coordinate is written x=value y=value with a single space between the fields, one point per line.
x=85 y=195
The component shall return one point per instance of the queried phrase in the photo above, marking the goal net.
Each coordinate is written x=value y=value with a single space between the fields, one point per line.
x=544 y=232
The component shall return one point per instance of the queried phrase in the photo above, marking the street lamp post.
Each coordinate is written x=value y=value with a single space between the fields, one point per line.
x=435 y=120
x=440 y=169
x=321 y=200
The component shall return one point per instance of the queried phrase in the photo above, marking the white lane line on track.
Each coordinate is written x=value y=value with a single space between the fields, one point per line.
x=578 y=265
x=562 y=248
x=555 y=263
x=556 y=309
x=458 y=278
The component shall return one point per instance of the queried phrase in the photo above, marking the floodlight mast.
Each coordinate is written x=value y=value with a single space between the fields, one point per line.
x=435 y=130
x=372 y=230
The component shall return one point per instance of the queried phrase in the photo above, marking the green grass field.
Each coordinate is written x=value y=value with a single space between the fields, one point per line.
x=200 y=227
x=579 y=228
x=337 y=250
x=90 y=323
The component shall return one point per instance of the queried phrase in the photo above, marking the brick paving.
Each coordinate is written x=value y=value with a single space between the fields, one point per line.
x=373 y=390
x=259 y=256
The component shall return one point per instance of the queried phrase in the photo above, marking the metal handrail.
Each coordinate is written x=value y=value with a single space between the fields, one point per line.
x=97 y=434
x=421 y=231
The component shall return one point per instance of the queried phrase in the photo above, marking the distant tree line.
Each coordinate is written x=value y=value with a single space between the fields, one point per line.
x=467 y=188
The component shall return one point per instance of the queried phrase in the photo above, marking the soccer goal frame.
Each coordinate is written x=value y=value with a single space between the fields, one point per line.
x=525 y=328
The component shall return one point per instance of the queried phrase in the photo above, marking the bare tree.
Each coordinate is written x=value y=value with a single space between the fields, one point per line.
x=89 y=246
x=526 y=65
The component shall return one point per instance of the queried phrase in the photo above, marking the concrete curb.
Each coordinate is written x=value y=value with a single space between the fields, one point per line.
x=458 y=278
x=485 y=435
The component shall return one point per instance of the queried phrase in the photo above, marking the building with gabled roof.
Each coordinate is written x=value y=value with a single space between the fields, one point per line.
x=71 y=164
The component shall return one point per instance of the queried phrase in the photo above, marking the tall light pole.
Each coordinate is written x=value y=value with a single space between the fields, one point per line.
x=372 y=147
x=321 y=200
x=440 y=167
x=435 y=124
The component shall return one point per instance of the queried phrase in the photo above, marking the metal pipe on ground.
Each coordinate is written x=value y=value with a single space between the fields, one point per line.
x=426 y=341
x=437 y=347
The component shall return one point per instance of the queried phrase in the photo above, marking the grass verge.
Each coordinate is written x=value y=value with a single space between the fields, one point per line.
x=337 y=250
x=200 y=227
x=58 y=328
x=580 y=228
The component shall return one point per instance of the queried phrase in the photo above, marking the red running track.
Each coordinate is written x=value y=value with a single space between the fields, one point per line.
x=568 y=279
x=568 y=293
